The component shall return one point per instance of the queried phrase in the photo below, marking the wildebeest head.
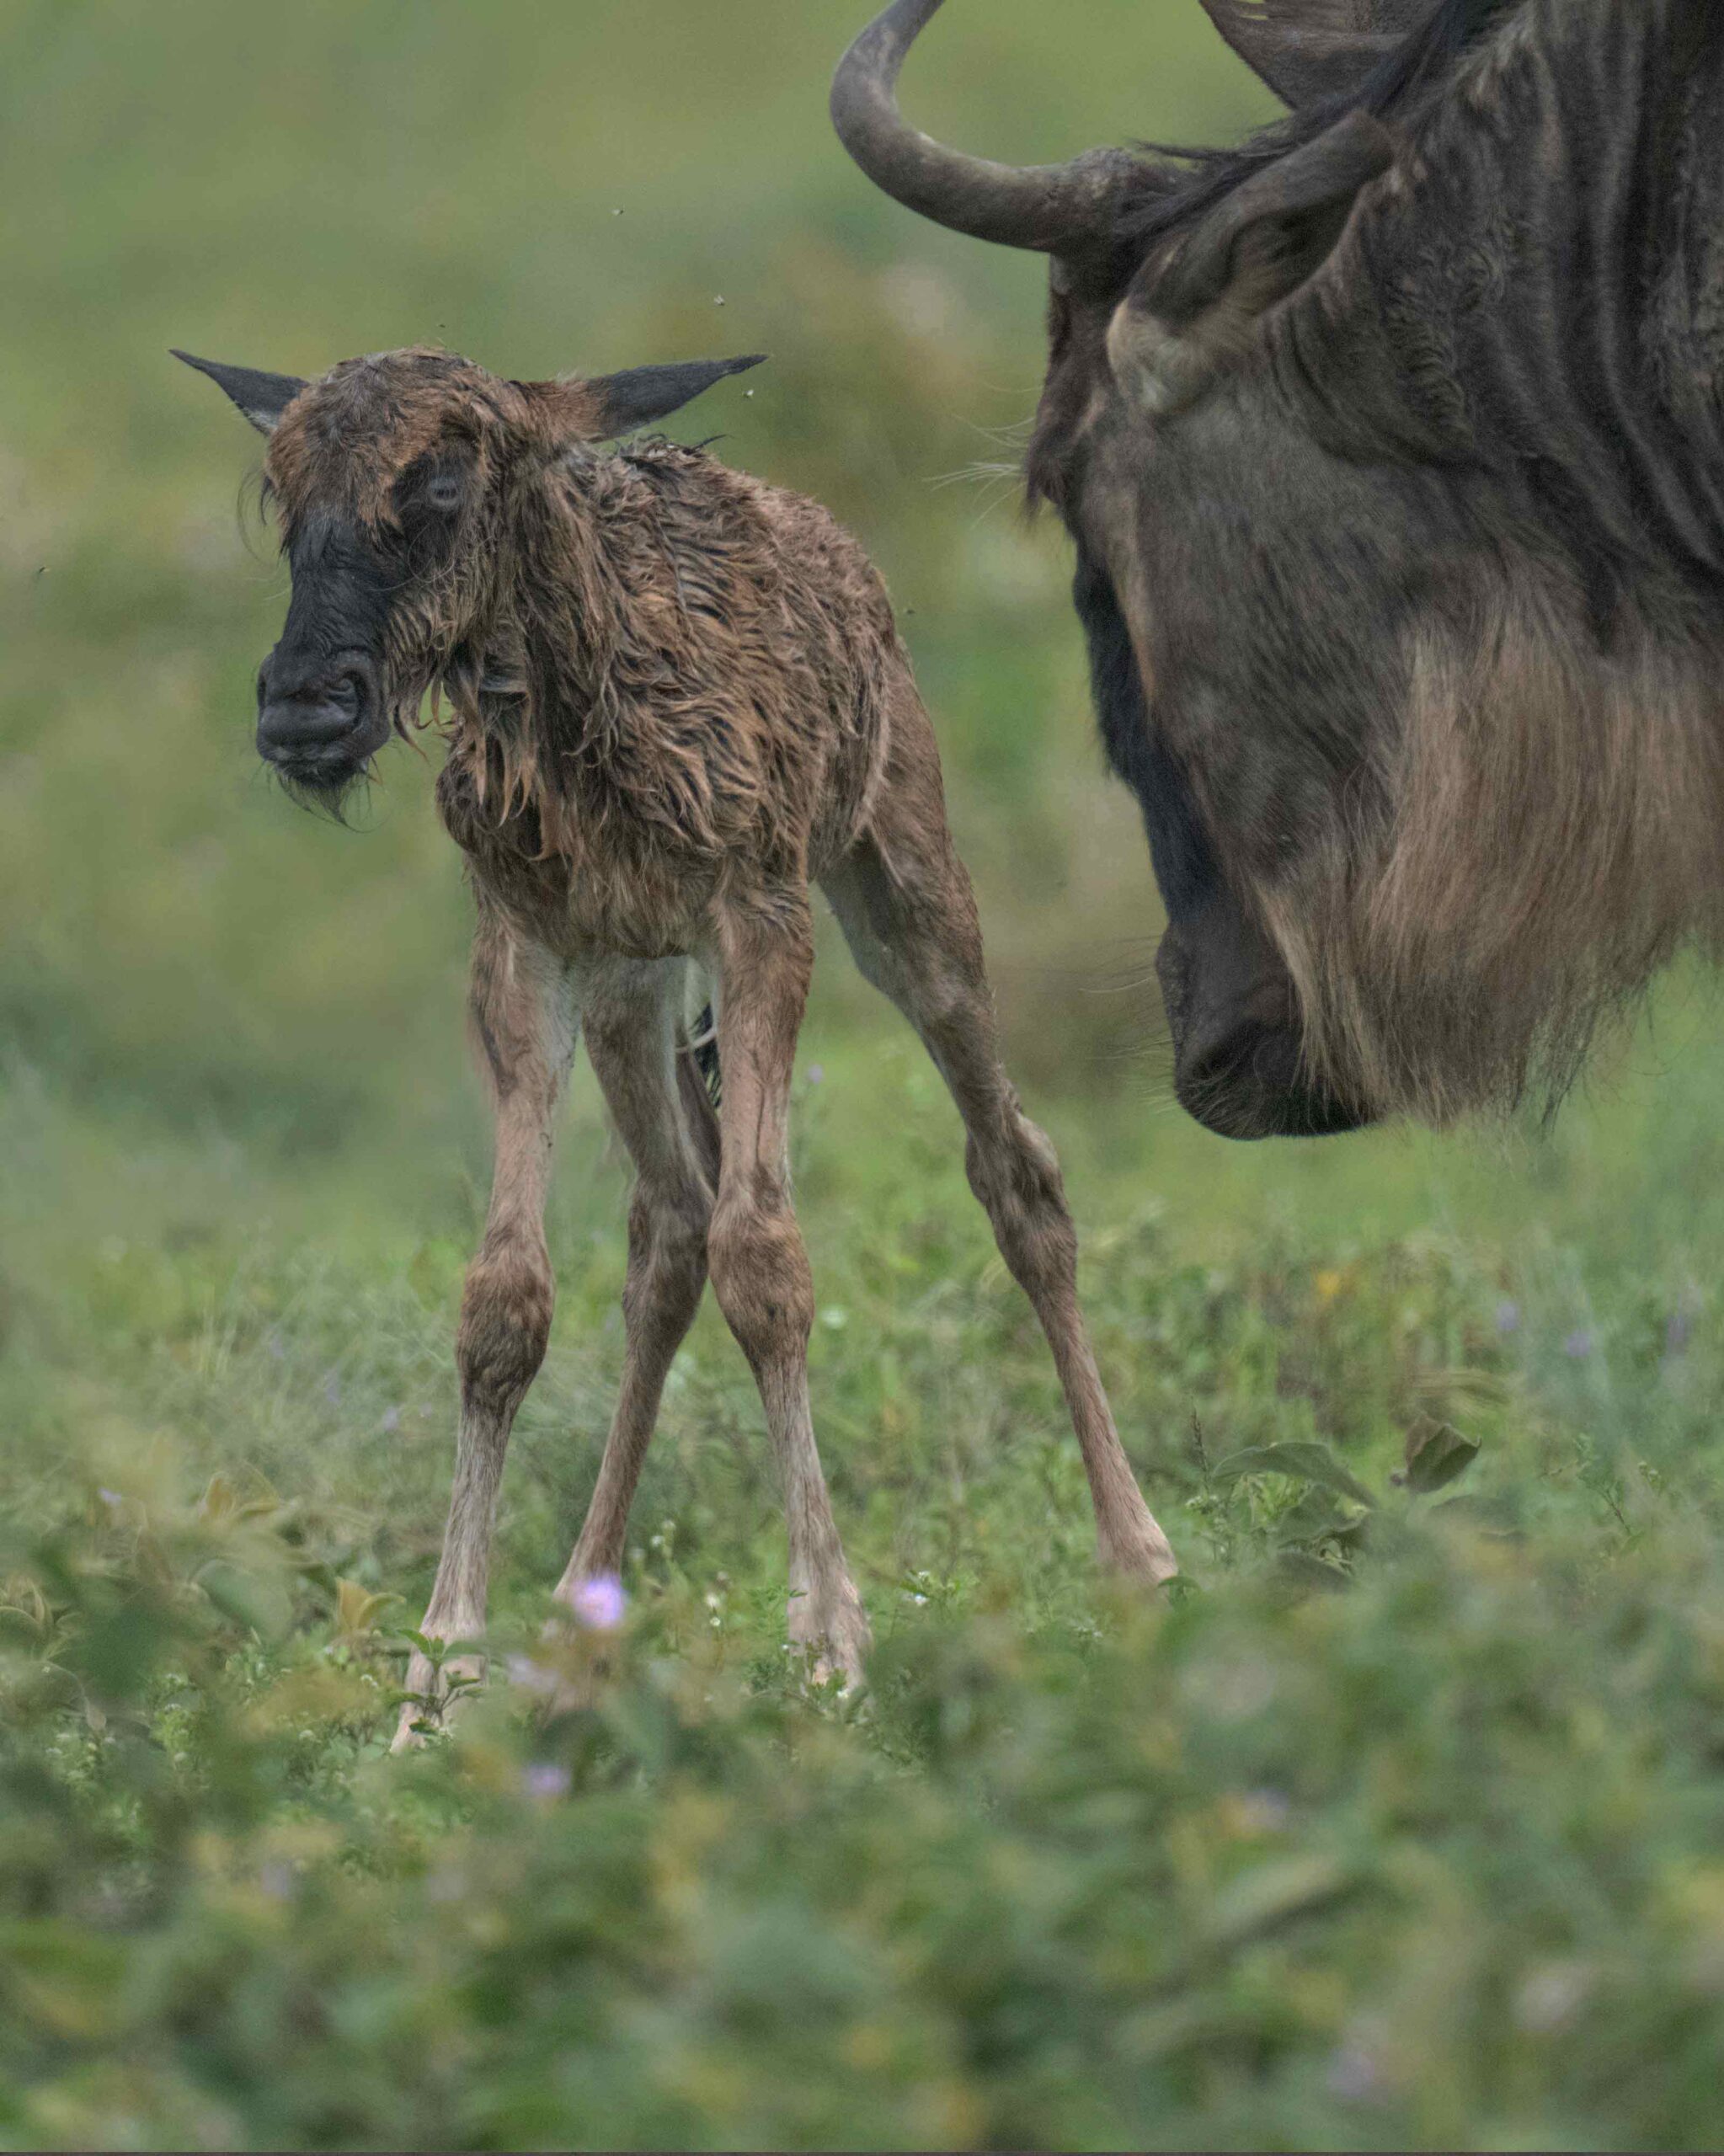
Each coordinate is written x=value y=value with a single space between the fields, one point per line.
x=1390 y=570
x=397 y=477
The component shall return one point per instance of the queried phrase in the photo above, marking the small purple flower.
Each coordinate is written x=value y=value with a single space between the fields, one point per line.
x=111 y=1498
x=1578 y=1345
x=392 y=1419
x=1679 y=1332
x=1508 y=1318
x=276 y=1880
x=817 y=1074
x=600 y=1603
x=276 y=1344
x=545 y=1781
x=332 y=1389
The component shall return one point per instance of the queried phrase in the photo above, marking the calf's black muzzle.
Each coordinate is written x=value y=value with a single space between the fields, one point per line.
x=319 y=722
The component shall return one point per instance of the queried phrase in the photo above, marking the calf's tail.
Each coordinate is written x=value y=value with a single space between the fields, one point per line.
x=701 y=1084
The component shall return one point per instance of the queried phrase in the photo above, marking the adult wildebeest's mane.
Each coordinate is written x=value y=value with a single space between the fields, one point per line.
x=1498 y=890
x=1147 y=213
x=1392 y=446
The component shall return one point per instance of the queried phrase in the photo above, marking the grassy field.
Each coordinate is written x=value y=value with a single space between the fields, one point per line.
x=1400 y=1823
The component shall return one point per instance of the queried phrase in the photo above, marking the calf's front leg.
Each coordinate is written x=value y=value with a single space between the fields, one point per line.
x=525 y=1014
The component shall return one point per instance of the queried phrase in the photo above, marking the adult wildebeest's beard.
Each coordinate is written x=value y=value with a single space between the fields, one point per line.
x=1526 y=879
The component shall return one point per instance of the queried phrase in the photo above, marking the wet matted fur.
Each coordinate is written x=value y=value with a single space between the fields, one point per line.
x=674 y=698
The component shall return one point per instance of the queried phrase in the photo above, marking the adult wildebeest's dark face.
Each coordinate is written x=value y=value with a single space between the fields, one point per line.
x=396 y=476
x=1391 y=528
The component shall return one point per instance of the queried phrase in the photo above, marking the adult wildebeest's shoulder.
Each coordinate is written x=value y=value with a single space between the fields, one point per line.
x=1391 y=444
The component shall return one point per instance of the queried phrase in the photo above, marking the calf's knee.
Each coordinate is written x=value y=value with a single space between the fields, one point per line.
x=667 y=1256
x=505 y=1323
x=1018 y=1181
x=761 y=1276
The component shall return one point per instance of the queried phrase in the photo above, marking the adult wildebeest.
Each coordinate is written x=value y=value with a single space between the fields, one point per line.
x=678 y=697
x=1393 y=450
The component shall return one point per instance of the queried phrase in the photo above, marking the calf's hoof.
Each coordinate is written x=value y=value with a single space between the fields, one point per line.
x=832 y=1634
x=438 y=1696
x=1138 y=1551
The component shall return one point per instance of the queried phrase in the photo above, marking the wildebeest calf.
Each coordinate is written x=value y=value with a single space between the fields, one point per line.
x=676 y=698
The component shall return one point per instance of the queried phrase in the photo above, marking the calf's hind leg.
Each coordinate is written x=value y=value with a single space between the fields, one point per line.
x=903 y=900
x=525 y=1017
x=759 y=1268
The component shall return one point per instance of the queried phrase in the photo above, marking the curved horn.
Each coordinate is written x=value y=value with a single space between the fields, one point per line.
x=1048 y=209
x=1309 y=50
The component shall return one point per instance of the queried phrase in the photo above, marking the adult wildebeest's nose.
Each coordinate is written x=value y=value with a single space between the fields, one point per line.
x=1239 y=1065
x=320 y=717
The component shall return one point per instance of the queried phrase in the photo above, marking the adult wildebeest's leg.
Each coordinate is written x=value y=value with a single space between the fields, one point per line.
x=524 y=1004
x=759 y=1268
x=903 y=898
x=631 y=1021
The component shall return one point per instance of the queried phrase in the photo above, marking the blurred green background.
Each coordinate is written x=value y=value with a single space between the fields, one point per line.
x=1431 y=1859
x=546 y=189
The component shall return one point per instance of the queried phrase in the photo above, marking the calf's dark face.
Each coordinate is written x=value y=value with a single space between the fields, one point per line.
x=322 y=713
x=386 y=475
x=394 y=477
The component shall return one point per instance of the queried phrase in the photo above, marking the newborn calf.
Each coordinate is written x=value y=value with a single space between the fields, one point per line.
x=675 y=699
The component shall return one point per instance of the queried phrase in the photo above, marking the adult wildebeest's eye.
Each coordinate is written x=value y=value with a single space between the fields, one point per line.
x=444 y=492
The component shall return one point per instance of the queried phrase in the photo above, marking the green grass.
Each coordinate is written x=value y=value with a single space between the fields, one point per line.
x=1400 y=1823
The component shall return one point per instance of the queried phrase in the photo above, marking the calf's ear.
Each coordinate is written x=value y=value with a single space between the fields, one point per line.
x=1187 y=314
x=620 y=403
x=262 y=398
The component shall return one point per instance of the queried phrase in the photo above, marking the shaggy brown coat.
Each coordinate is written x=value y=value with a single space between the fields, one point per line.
x=674 y=698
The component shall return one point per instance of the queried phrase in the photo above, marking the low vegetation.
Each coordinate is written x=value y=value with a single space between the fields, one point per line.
x=1399 y=1823
x=1396 y=1824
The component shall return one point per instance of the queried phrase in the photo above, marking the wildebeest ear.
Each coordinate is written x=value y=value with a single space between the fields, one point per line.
x=1309 y=50
x=1186 y=315
x=624 y=402
x=262 y=398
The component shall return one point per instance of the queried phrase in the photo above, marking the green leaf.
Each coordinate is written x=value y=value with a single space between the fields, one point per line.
x=357 y=1609
x=1271 y=1894
x=224 y=1503
x=1436 y=1454
x=1305 y=1462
